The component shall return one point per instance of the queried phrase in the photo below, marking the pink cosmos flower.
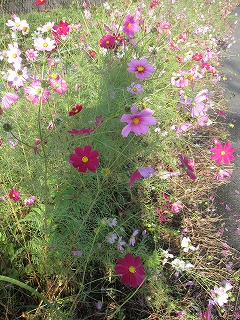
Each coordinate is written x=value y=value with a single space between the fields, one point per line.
x=46 y=44
x=222 y=173
x=107 y=41
x=179 y=80
x=29 y=201
x=141 y=173
x=59 y=85
x=130 y=25
x=165 y=25
x=62 y=29
x=35 y=92
x=131 y=269
x=174 y=45
x=8 y=99
x=188 y=166
x=176 y=207
x=222 y=153
x=141 y=68
x=85 y=159
x=183 y=127
x=14 y=195
x=31 y=54
x=138 y=122
x=40 y=2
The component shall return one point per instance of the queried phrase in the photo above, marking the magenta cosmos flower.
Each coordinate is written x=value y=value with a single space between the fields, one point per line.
x=188 y=166
x=85 y=159
x=75 y=110
x=222 y=153
x=107 y=41
x=131 y=269
x=14 y=195
x=130 y=25
x=141 y=68
x=138 y=122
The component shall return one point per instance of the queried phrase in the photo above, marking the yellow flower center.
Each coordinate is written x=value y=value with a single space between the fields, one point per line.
x=53 y=75
x=132 y=269
x=136 y=120
x=17 y=24
x=107 y=42
x=223 y=153
x=106 y=171
x=135 y=89
x=84 y=159
x=24 y=29
x=129 y=25
x=14 y=55
x=45 y=44
x=190 y=77
x=140 y=68
x=13 y=195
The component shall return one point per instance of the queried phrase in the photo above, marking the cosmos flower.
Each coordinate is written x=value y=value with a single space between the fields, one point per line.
x=75 y=110
x=107 y=41
x=131 y=269
x=141 y=173
x=14 y=195
x=85 y=159
x=40 y=2
x=141 y=68
x=222 y=153
x=8 y=99
x=188 y=166
x=130 y=25
x=138 y=122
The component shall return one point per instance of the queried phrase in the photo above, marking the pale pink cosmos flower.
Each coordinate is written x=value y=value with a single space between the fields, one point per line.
x=59 y=85
x=195 y=105
x=138 y=122
x=47 y=27
x=46 y=44
x=31 y=54
x=176 y=207
x=183 y=127
x=141 y=173
x=36 y=93
x=179 y=80
x=17 y=77
x=13 y=55
x=135 y=88
x=18 y=24
x=130 y=25
x=219 y=295
x=8 y=99
x=29 y=201
x=132 y=240
x=222 y=173
x=141 y=68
